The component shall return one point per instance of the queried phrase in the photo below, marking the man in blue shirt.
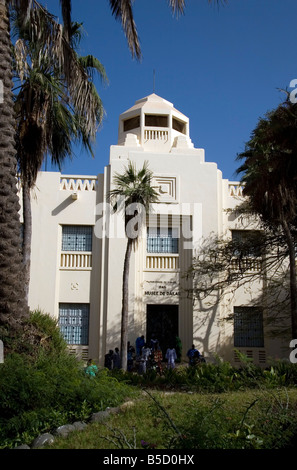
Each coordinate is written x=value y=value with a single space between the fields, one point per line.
x=193 y=355
x=139 y=345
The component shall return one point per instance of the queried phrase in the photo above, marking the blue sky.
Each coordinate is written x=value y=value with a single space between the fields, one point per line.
x=222 y=67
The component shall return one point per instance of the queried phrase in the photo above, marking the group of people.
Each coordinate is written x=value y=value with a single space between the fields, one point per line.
x=145 y=355
x=150 y=355
x=112 y=360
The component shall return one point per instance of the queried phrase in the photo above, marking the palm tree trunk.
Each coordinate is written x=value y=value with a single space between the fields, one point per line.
x=27 y=235
x=125 y=305
x=12 y=305
x=293 y=278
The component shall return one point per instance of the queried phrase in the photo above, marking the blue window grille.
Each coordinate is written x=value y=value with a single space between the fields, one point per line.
x=248 y=327
x=74 y=323
x=76 y=238
x=162 y=240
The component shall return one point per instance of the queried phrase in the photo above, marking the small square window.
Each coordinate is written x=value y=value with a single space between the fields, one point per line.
x=162 y=240
x=74 y=323
x=248 y=327
x=76 y=238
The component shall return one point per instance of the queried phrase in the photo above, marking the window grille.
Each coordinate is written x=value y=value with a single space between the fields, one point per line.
x=247 y=243
x=74 y=323
x=162 y=240
x=248 y=327
x=76 y=238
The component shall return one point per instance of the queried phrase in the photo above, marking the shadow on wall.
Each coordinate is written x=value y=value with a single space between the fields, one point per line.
x=64 y=204
x=205 y=334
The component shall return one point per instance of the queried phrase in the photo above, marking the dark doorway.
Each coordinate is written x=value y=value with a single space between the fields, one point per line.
x=162 y=321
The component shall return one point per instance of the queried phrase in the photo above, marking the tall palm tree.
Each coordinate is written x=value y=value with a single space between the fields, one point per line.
x=47 y=120
x=134 y=194
x=56 y=45
x=269 y=177
x=11 y=287
x=13 y=305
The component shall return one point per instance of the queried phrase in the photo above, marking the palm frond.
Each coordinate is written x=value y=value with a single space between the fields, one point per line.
x=91 y=64
x=177 y=6
x=122 y=11
x=133 y=187
x=66 y=14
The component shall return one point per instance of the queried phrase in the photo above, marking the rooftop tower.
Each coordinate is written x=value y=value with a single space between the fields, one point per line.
x=155 y=125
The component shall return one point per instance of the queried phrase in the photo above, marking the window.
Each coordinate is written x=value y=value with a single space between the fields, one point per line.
x=162 y=240
x=248 y=327
x=131 y=123
x=247 y=243
x=178 y=125
x=76 y=238
x=156 y=120
x=74 y=323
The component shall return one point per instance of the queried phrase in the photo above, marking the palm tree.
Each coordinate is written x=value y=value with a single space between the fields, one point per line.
x=13 y=305
x=269 y=178
x=134 y=194
x=47 y=120
x=11 y=287
x=56 y=45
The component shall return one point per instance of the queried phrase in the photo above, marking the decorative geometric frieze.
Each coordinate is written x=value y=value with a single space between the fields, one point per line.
x=70 y=183
x=166 y=186
x=235 y=189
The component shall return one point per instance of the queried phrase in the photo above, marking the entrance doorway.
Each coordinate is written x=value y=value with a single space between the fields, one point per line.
x=162 y=321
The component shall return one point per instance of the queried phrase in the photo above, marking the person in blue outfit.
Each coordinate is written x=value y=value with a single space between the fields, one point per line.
x=140 y=342
x=193 y=355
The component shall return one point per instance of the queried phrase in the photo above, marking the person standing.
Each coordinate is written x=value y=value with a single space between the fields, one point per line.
x=158 y=357
x=116 y=359
x=130 y=357
x=145 y=354
x=108 y=359
x=193 y=354
x=140 y=342
x=171 y=358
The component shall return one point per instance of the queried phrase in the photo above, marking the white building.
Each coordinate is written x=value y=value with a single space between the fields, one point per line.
x=78 y=247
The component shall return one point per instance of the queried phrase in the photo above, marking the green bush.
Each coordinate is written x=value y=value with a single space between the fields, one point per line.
x=49 y=387
x=215 y=377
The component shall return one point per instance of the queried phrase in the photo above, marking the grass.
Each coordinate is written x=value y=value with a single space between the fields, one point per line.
x=162 y=420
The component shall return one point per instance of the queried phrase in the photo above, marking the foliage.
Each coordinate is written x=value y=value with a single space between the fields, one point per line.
x=269 y=177
x=216 y=377
x=41 y=391
x=133 y=194
x=48 y=121
x=262 y=419
x=256 y=263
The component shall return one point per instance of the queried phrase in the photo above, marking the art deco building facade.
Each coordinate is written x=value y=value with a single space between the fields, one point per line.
x=78 y=247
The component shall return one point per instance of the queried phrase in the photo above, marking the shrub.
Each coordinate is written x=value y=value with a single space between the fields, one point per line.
x=49 y=387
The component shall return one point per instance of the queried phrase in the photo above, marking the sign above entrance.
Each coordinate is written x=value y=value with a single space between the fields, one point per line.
x=161 y=289
x=160 y=292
